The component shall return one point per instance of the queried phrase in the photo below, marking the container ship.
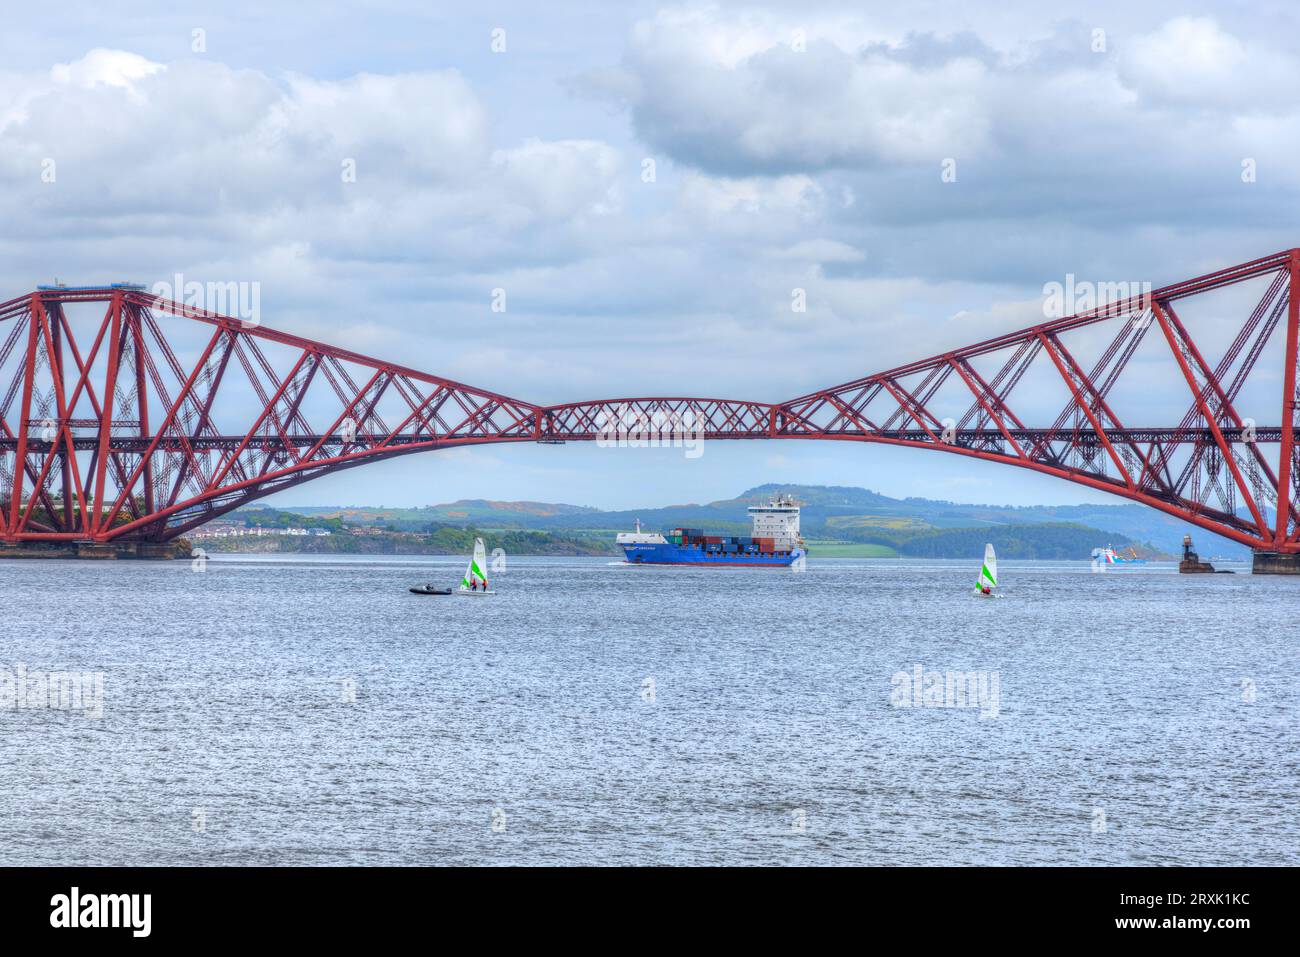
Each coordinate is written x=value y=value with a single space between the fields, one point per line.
x=774 y=542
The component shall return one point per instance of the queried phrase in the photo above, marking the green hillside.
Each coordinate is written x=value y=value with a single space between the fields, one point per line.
x=836 y=521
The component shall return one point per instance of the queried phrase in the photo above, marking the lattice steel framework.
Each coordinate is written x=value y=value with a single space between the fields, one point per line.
x=114 y=437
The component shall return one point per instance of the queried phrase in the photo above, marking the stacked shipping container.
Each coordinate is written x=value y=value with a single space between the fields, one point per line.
x=727 y=544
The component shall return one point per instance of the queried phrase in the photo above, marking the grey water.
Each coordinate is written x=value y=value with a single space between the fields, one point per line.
x=264 y=710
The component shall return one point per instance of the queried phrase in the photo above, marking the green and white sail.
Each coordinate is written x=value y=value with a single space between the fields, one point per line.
x=989 y=572
x=476 y=570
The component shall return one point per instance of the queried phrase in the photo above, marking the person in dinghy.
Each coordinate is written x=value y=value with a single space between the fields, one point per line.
x=475 y=580
x=987 y=582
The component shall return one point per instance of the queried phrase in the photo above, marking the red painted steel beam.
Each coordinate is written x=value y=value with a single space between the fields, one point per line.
x=1216 y=280
x=1281 y=539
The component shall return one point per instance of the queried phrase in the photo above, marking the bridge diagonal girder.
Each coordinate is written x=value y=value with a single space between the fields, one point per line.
x=130 y=438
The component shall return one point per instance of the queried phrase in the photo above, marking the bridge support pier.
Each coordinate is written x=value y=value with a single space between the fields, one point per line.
x=159 y=551
x=1275 y=563
x=96 y=551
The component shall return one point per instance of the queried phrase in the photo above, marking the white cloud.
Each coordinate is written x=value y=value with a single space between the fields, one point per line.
x=1156 y=125
x=102 y=67
x=406 y=126
x=1194 y=62
x=733 y=93
x=555 y=179
x=753 y=208
x=201 y=149
x=820 y=251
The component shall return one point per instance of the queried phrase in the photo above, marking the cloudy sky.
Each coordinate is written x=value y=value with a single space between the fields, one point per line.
x=791 y=146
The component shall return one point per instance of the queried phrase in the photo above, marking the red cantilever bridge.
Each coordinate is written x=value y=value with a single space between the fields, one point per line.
x=109 y=437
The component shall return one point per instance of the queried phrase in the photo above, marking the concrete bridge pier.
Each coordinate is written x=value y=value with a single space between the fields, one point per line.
x=96 y=551
x=1275 y=563
x=99 y=550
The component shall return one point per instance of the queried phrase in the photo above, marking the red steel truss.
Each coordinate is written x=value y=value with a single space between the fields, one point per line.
x=115 y=438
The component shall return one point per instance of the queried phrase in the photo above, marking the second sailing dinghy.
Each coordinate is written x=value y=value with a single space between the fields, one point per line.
x=987 y=583
x=475 y=580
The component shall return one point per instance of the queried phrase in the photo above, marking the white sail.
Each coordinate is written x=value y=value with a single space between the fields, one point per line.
x=476 y=570
x=480 y=561
x=989 y=572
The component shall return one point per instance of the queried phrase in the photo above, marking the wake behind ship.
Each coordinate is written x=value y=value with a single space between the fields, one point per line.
x=774 y=542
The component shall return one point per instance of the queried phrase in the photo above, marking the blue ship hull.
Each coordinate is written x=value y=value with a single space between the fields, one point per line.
x=670 y=554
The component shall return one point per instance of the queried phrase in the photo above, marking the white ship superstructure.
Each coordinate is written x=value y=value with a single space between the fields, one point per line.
x=779 y=521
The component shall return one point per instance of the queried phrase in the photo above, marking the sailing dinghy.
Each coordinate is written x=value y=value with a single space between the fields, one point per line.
x=986 y=585
x=475 y=580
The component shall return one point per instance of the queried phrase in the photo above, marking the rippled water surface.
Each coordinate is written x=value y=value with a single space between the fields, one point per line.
x=596 y=713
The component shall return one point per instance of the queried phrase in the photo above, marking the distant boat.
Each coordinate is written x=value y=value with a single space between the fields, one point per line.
x=1108 y=556
x=988 y=577
x=475 y=580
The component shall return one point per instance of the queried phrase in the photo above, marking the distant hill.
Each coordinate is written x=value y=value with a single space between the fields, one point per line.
x=461 y=512
x=1055 y=542
x=820 y=496
x=829 y=513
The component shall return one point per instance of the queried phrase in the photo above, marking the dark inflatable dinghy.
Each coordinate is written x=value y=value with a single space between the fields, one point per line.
x=430 y=590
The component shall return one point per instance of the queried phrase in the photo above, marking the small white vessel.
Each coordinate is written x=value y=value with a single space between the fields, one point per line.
x=1108 y=556
x=475 y=580
x=987 y=583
